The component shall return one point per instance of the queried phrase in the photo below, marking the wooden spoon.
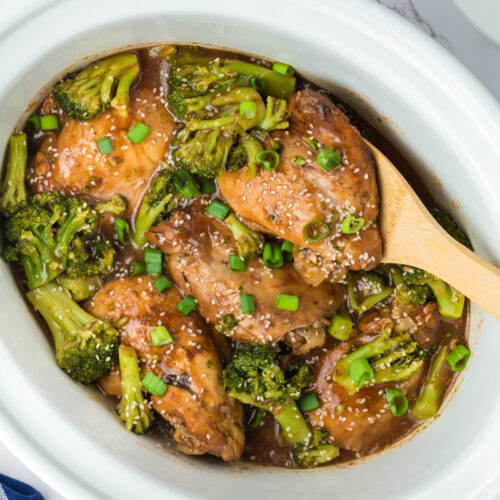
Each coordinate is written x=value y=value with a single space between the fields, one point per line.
x=411 y=236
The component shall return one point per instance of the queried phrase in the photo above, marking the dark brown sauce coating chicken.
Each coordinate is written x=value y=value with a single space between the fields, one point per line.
x=70 y=162
x=285 y=200
x=204 y=418
x=199 y=247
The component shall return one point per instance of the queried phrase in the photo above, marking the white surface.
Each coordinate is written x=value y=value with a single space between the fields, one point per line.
x=433 y=15
x=484 y=14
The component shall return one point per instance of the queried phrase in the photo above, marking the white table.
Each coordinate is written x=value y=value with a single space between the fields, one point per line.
x=440 y=19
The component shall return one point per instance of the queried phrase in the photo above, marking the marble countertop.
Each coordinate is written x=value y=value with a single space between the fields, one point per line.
x=440 y=19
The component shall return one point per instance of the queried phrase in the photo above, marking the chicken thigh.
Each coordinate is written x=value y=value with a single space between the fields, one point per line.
x=199 y=247
x=300 y=191
x=71 y=162
x=204 y=418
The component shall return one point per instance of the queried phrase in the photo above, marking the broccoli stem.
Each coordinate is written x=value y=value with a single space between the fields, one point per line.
x=321 y=454
x=427 y=404
x=252 y=148
x=277 y=85
x=369 y=301
x=450 y=301
x=295 y=428
x=122 y=96
x=13 y=186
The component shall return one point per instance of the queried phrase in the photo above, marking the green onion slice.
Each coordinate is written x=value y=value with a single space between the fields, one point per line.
x=207 y=187
x=218 y=209
x=287 y=251
x=287 y=302
x=122 y=228
x=138 y=268
x=283 y=69
x=162 y=283
x=258 y=83
x=185 y=183
x=154 y=385
x=315 y=230
x=247 y=303
x=104 y=145
x=138 y=133
x=34 y=123
x=49 y=122
x=236 y=263
x=268 y=158
x=458 y=358
x=152 y=255
x=360 y=371
x=248 y=109
x=186 y=305
x=161 y=336
x=328 y=159
x=272 y=256
x=340 y=326
x=308 y=402
x=398 y=403
x=352 y=225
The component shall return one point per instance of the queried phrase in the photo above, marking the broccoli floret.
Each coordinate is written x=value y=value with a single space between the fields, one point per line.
x=427 y=404
x=227 y=324
x=134 y=409
x=448 y=223
x=41 y=232
x=254 y=377
x=161 y=197
x=100 y=85
x=90 y=255
x=86 y=347
x=13 y=189
x=449 y=300
x=276 y=116
x=392 y=356
x=405 y=293
x=315 y=453
x=365 y=289
x=116 y=205
x=249 y=243
x=252 y=148
x=80 y=288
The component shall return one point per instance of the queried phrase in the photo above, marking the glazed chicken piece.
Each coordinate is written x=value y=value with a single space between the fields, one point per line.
x=361 y=422
x=204 y=418
x=71 y=162
x=284 y=201
x=199 y=247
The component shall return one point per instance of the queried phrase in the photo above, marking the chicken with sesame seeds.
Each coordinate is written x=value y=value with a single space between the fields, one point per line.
x=322 y=191
x=204 y=418
x=72 y=163
x=199 y=246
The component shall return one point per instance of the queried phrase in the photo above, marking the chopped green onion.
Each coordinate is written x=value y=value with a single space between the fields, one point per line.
x=258 y=83
x=152 y=255
x=328 y=159
x=161 y=336
x=138 y=268
x=268 y=158
x=248 y=109
x=104 y=145
x=272 y=256
x=287 y=302
x=154 y=267
x=185 y=183
x=287 y=251
x=154 y=385
x=312 y=142
x=218 y=209
x=308 y=402
x=299 y=161
x=315 y=230
x=162 y=283
x=247 y=303
x=186 y=305
x=49 y=122
x=34 y=124
x=236 y=263
x=340 y=326
x=458 y=358
x=283 y=69
x=138 y=133
x=122 y=228
x=398 y=403
x=360 y=371
x=352 y=225
x=207 y=187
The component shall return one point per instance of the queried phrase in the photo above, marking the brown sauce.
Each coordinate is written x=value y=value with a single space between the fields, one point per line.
x=263 y=442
